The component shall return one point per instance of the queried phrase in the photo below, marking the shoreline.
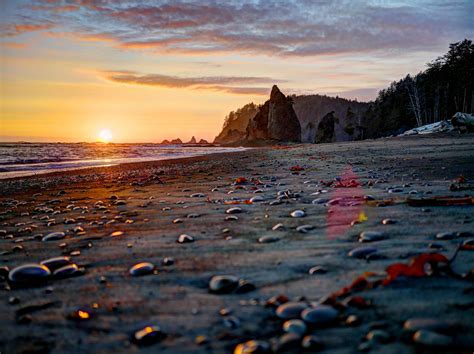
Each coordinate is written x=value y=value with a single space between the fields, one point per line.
x=197 y=192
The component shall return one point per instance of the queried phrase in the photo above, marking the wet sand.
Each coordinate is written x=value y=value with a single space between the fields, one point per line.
x=176 y=296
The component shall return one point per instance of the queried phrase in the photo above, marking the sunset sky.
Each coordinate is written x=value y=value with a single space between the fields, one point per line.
x=150 y=70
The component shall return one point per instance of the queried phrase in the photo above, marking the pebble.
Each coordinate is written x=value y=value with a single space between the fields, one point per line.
x=253 y=347
x=67 y=271
x=305 y=228
x=446 y=235
x=287 y=342
x=55 y=263
x=352 y=320
x=197 y=195
x=148 y=335
x=54 y=236
x=295 y=326
x=167 y=261
x=429 y=324
x=231 y=322
x=234 y=210
x=371 y=236
x=312 y=343
x=231 y=218
x=432 y=339
x=142 y=268
x=291 y=310
x=268 y=239
x=361 y=252
x=320 y=201
x=321 y=315
x=388 y=221
x=177 y=221
x=185 y=238
x=278 y=227
x=29 y=273
x=317 y=270
x=378 y=336
x=244 y=287
x=256 y=199
x=116 y=233
x=298 y=214
x=223 y=284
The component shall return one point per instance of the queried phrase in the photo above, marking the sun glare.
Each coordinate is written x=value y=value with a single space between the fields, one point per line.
x=105 y=136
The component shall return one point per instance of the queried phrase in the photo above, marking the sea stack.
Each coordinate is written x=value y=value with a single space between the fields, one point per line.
x=276 y=120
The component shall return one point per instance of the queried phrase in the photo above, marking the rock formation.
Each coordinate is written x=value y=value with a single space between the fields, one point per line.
x=325 y=131
x=203 y=141
x=276 y=120
x=165 y=142
x=176 y=141
x=192 y=141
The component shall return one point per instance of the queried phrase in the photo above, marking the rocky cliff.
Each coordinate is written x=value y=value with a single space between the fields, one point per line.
x=318 y=119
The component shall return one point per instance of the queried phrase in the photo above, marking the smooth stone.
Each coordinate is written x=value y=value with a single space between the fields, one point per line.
x=185 y=238
x=291 y=310
x=55 y=263
x=231 y=322
x=177 y=221
x=256 y=199
x=321 y=315
x=66 y=271
x=148 y=335
x=142 y=268
x=320 y=201
x=223 y=284
x=278 y=227
x=298 y=214
x=388 y=221
x=234 y=210
x=305 y=228
x=312 y=343
x=197 y=195
x=116 y=233
x=54 y=236
x=446 y=235
x=317 y=270
x=167 y=261
x=268 y=239
x=253 y=347
x=231 y=218
x=378 y=336
x=352 y=320
x=193 y=216
x=29 y=273
x=429 y=324
x=295 y=326
x=286 y=342
x=361 y=252
x=370 y=236
x=433 y=339
x=244 y=287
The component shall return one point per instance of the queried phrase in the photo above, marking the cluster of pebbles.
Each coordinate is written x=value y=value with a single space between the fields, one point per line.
x=282 y=207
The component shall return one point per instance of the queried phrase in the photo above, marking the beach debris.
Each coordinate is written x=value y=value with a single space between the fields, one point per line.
x=143 y=268
x=184 y=238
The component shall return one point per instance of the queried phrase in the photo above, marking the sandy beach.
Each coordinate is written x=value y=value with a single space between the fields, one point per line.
x=115 y=217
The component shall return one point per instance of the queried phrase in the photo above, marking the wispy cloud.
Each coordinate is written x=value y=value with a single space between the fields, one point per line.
x=273 y=27
x=229 y=84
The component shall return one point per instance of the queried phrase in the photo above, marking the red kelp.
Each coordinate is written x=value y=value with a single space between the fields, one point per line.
x=418 y=267
x=296 y=168
x=240 y=180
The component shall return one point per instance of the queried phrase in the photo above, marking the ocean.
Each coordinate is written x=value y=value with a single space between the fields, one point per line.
x=27 y=159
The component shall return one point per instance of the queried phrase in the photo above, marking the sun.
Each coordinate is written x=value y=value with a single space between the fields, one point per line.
x=105 y=136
